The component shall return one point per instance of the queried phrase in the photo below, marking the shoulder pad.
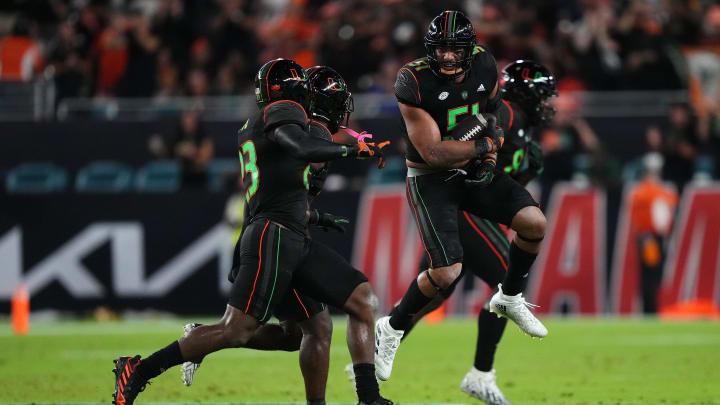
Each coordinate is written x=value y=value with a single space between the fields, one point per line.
x=283 y=112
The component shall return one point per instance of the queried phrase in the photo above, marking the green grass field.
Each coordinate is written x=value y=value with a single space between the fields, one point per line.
x=582 y=361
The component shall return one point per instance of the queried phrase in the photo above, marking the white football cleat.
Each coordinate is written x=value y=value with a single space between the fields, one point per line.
x=387 y=341
x=481 y=385
x=515 y=308
x=189 y=368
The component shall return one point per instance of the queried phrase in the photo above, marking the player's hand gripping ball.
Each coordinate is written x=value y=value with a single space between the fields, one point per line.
x=483 y=129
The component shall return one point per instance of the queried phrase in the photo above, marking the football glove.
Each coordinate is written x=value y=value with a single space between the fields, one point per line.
x=328 y=221
x=369 y=150
x=317 y=180
x=535 y=157
x=492 y=137
x=481 y=172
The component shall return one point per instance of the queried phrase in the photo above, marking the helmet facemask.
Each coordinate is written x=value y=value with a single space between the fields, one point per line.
x=462 y=64
x=450 y=31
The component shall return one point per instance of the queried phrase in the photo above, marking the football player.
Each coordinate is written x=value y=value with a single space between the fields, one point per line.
x=276 y=256
x=445 y=100
x=305 y=325
x=526 y=94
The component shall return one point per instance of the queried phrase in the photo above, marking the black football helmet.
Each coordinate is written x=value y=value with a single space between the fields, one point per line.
x=531 y=85
x=282 y=79
x=331 y=102
x=453 y=30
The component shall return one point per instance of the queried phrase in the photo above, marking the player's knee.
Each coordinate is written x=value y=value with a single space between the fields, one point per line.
x=237 y=335
x=362 y=303
x=319 y=326
x=444 y=277
x=530 y=223
x=293 y=336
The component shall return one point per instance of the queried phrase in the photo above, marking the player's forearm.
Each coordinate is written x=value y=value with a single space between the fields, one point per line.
x=300 y=145
x=447 y=154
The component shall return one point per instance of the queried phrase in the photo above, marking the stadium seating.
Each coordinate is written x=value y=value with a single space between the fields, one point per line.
x=222 y=172
x=104 y=177
x=36 y=178
x=161 y=176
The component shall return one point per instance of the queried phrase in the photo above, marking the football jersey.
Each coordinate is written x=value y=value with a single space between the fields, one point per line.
x=446 y=101
x=512 y=157
x=276 y=184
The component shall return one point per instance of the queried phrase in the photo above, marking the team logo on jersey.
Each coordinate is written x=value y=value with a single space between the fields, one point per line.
x=464 y=95
x=481 y=87
x=443 y=95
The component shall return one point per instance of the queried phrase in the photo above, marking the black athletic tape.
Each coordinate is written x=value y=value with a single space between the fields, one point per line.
x=531 y=240
x=446 y=293
x=434 y=284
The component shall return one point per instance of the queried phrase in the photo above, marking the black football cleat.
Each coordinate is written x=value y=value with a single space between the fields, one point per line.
x=128 y=383
x=379 y=401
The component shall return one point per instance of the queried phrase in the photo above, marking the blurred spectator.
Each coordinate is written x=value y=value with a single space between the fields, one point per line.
x=598 y=51
x=67 y=58
x=143 y=45
x=167 y=77
x=197 y=83
x=652 y=209
x=232 y=30
x=226 y=83
x=20 y=56
x=680 y=145
x=568 y=144
x=191 y=145
x=173 y=27
x=644 y=49
x=112 y=55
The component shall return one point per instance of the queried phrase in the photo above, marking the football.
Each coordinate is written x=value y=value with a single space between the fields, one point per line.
x=472 y=127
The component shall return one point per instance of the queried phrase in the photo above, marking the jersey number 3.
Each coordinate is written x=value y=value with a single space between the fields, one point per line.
x=249 y=167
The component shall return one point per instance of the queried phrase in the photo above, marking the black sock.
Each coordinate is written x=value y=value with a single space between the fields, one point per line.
x=490 y=330
x=412 y=302
x=160 y=361
x=518 y=269
x=315 y=402
x=394 y=312
x=366 y=385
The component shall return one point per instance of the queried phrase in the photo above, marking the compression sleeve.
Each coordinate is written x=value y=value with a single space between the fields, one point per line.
x=302 y=146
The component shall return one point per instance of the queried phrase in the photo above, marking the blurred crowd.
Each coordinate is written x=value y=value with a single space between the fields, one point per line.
x=197 y=48
x=161 y=48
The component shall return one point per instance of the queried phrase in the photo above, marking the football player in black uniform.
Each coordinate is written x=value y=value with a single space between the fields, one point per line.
x=444 y=99
x=526 y=94
x=305 y=324
x=276 y=258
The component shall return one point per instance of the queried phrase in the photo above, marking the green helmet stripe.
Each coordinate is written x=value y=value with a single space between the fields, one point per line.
x=453 y=26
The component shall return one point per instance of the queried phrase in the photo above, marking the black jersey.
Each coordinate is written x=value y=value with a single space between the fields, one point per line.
x=276 y=184
x=512 y=157
x=447 y=102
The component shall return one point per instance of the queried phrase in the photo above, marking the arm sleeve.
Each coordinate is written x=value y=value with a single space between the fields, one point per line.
x=283 y=112
x=302 y=146
x=407 y=88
